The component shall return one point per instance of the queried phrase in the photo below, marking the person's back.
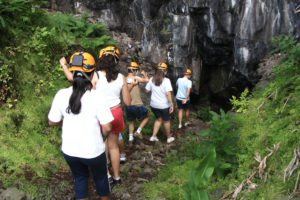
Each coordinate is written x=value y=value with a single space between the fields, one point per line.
x=158 y=93
x=80 y=132
x=183 y=84
x=112 y=89
x=161 y=101
x=136 y=110
x=80 y=110
x=183 y=97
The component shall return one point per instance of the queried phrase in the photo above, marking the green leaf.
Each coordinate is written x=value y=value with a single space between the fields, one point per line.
x=204 y=132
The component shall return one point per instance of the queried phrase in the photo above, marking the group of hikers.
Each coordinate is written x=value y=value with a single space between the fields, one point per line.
x=91 y=117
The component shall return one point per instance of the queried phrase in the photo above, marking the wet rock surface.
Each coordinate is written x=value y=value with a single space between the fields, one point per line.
x=222 y=41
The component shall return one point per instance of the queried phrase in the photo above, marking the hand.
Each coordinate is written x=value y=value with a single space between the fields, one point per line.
x=184 y=101
x=171 y=109
x=63 y=61
x=134 y=83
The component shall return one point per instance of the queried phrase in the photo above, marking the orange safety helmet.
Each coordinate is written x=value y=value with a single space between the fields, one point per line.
x=82 y=61
x=110 y=50
x=133 y=66
x=188 y=72
x=162 y=66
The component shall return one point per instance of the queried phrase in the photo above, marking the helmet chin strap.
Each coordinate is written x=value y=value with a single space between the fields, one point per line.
x=84 y=74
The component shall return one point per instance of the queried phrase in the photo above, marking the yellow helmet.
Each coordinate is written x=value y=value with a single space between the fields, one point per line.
x=162 y=66
x=188 y=72
x=110 y=50
x=82 y=61
x=134 y=66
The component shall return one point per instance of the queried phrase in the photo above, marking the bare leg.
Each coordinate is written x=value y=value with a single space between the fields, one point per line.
x=144 y=122
x=114 y=153
x=131 y=127
x=180 y=114
x=121 y=146
x=167 y=125
x=187 y=115
x=156 y=126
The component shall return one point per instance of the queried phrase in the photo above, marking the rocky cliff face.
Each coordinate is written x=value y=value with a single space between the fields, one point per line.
x=220 y=40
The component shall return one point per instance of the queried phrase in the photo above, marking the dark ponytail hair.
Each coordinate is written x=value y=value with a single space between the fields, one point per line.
x=158 y=77
x=80 y=86
x=109 y=65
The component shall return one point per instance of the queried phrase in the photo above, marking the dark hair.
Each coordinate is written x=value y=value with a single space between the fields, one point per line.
x=131 y=70
x=109 y=64
x=158 y=77
x=80 y=86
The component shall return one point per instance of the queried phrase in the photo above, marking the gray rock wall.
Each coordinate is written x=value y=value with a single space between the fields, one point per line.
x=220 y=40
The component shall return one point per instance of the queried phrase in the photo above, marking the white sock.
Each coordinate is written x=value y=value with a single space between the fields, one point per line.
x=139 y=130
x=118 y=178
x=130 y=137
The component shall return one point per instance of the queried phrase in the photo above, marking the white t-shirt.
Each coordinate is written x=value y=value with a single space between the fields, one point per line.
x=110 y=90
x=183 y=84
x=159 y=97
x=81 y=134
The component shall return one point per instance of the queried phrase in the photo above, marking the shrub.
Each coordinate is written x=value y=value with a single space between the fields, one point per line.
x=240 y=104
x=223 y=135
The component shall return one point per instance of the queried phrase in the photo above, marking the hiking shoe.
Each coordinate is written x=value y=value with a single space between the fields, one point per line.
x=116 y=182
x=122 y=158
x=138 y=135
x=187 y=123
x=179 y=126
x=170 y=139
x=154 y=139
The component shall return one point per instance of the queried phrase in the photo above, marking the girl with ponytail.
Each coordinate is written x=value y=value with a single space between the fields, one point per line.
x=79 y=110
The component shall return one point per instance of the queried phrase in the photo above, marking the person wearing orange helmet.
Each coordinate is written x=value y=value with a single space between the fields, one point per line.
x=161 y=101
x=136 y=110
x=108 y=81
x=184 y=85
x=79 y=110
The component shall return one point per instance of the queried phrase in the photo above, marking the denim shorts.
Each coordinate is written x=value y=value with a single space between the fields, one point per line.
x=161 y=113
x=80 y=170
x=136 y=112
x=185 y=106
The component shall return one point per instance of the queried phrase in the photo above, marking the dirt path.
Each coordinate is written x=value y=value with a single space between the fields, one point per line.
x=144 y=159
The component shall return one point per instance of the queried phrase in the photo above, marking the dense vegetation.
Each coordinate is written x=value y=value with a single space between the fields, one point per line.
x=32 y=41
x=217 y=159
x=221 y=160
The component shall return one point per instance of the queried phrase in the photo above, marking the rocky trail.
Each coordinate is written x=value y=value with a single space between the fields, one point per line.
x=144 y=161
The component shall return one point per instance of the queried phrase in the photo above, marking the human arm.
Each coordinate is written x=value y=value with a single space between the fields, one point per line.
x=169 y=96
x=187 y=96
x=145 y=78
x=55 y=116
x=51 y=123
x=68 y=74
x=125 y=93
x=106 y=130
x=131 y=85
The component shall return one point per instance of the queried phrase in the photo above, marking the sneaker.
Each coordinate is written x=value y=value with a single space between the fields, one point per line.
x=179 y=126
x=138 y=135
x=170 y=139
x=187 y=123
x=109 y=177
x=116 y=182
x=122 y=158
x=154 y=139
